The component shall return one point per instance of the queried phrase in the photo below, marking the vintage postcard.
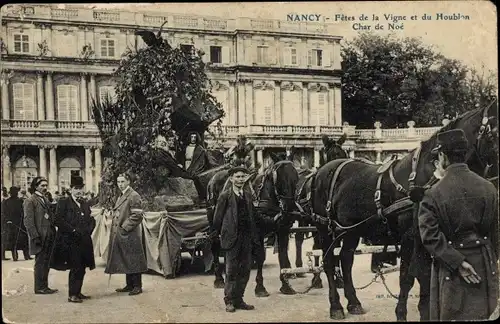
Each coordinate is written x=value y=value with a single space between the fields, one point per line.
x=249 y=162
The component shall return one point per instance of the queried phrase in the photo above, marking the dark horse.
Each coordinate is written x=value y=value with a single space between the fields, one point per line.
x=351 y=199
x=274 y=192
x=332 y=150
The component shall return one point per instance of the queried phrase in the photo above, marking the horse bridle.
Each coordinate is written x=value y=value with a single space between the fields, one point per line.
x=274 y=172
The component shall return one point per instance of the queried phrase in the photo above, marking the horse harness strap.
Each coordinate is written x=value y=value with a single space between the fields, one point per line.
x=334 y=181
x=414 y=164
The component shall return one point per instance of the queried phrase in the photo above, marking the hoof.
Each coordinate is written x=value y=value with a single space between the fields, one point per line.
x=287 y=290
x=261 y=292
x=219 y=284
x=355 y=309
x=337 y=314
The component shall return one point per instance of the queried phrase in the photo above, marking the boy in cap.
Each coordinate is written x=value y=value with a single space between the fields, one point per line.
x=234 y=221
x=459 y=227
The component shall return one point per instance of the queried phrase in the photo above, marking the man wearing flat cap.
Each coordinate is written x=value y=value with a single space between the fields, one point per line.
x=458 y=226
x=39 y=222
x=234 y=221
x=74 y=249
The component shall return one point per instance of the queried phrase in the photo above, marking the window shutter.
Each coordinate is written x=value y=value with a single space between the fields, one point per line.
x=309 y=57
x=268 y=118
x=313 y=109
x=272 y=53
x=29 y=101
x=111 y=48
x=226 y=59
x=287 y=56
x=62 y=103
x=17 y=90
x=326 y=58
x=73 y=103
x=321 y=109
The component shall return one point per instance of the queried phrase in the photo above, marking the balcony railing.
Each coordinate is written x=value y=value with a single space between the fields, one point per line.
x=232 y=131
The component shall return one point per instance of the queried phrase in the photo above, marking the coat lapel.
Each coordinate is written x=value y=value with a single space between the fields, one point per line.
x=122 y=198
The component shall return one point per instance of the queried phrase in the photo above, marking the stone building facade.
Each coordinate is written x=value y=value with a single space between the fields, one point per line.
x=278 y=82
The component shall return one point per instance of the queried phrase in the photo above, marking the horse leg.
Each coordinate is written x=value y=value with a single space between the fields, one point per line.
x=316 y=280
x=424 y=280
x=219 y=280
x=406 y=281
x=284 y=261
x=349 y=245
x=299 y=240
x=260 y=256
x=336 y=309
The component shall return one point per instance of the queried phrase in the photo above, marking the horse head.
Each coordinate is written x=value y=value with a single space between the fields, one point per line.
x=277 y=186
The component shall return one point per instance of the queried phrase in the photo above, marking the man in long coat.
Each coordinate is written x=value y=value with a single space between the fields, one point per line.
x=39 y=222
x=16 y=237
x=74 y=249
x=459 y=227
x=234 y=221
x=126 y=251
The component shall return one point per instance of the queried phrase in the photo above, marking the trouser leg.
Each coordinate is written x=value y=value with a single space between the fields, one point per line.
x=42 y=262
x=76 y=281
x=232 y=271
x=129 y=278
x=245 y=266
x=134 y=280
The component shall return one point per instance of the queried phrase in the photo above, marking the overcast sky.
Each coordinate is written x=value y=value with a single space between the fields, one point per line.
x=472 y=41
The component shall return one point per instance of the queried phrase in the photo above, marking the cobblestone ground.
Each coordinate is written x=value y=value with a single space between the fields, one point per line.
x=188 y=298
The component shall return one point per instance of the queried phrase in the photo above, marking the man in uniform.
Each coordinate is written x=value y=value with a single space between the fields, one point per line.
x=39 y=222
x=234 y=220
x=458 y=226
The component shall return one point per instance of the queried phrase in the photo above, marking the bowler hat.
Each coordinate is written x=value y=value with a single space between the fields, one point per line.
x=451 y=141
x=239 y=168
x=76 y=182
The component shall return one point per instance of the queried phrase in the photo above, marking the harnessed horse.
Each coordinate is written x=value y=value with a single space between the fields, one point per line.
x=351 y=199
x=275 y=202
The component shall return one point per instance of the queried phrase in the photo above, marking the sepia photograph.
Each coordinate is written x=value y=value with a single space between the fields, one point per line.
x=244 y=162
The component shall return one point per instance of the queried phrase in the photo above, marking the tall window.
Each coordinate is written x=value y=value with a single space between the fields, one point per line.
x=264 y=102
x=262 y=54
x=108 y=48
x=25 y=170
x=291 y=108
x=69 y=167
x=107 y=91
x=319 y=109
x=24 y=101
x=21 y=43
x=315 y=57
x=215 y=54
x=67 y=103
x=290 y=56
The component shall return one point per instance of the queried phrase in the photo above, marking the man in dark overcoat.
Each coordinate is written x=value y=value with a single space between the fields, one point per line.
x=459 y=227
x=15 y=232
x=74 y=249
x=234 y=221
x=127 y=253
x=39 y=222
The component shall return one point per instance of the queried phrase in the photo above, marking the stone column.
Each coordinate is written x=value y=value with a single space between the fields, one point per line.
x=337 y=105
x=88 y=168
x=277 y=103
x=6 y=174
x=5 y=99
x=232 y=111
x=305 y=104
x=316 y=157
x=84 y=98
x=249 y=103
x=241 y=104
x=260 y=159
x=43 y=161
x=49 y=97
x=93 y=88
x=379 y=156
x=40 y=98
x=98 y=166
x=53 y=183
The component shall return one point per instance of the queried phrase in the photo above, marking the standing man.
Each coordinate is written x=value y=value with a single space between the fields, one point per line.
x=15 y=231
x=74 y=249
x=126 y=251
x=234 y=220
x=459 y=227
x=39 y=222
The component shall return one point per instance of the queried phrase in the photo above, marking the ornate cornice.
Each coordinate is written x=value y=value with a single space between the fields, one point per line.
x=319 y=87
x=290 y=86
x=218 y=86
x=263 y=85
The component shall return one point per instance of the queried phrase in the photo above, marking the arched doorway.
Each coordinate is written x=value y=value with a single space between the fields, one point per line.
x=67 y=168
x=25 y=170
